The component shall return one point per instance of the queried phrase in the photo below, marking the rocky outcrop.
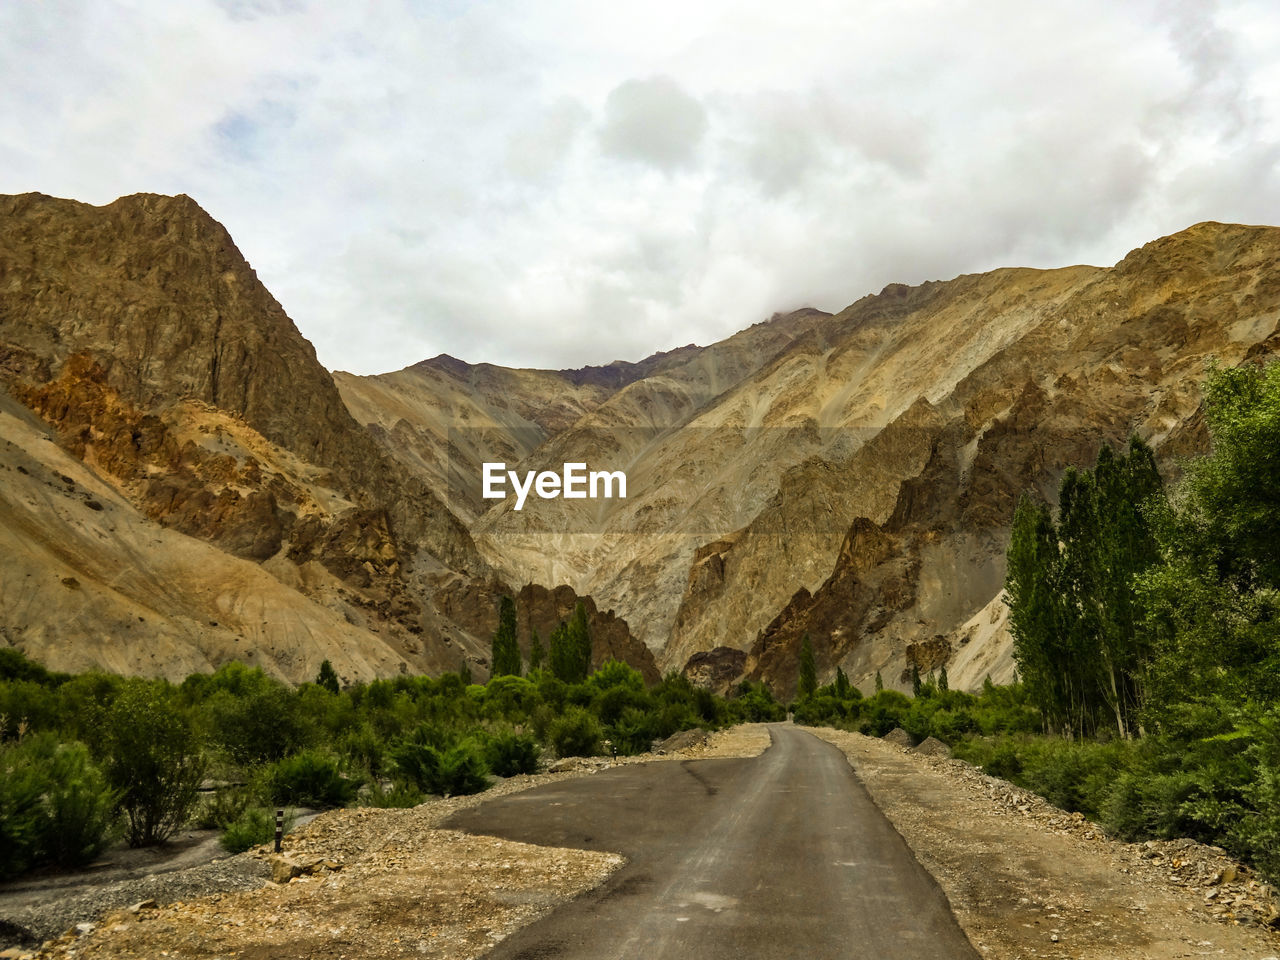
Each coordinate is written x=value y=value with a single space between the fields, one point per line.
x=474 y=605
x=1125 y=352
x=716 y=670
x=138 y=333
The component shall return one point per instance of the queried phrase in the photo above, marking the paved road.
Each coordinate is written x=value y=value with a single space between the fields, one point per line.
x=776 y=857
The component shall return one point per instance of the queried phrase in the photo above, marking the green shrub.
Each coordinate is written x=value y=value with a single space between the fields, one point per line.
x=15 y=665
x=575 y=734
x=510 y=697
x=254 y=827
x=541 y=719
x=509 y=753
x=362 y=746
x=754 y=703
x=448 y=771
x=1071 y=775
x=998 y=758
x=260 y=723
x=611 y=702
x=27 y=706
x=633 y=733
x=154 y=761
x=883 y=712
x=673 y=717
x=55 y=805
x=310 y=779
x=399 y=795
x=615 y=673
x=824 y=710
x=80 y=808
x=22 y=818
x=222 y=808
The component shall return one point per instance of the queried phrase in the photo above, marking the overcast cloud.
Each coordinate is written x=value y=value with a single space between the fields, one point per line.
x=560 y=183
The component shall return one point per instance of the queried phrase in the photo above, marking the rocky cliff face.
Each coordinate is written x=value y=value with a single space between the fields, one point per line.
x=146 y=346
x=1125 y=352
x=853 y=476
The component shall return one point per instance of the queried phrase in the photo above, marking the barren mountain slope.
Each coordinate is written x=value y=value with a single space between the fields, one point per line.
x=704 y=466
x=442 y=418
x=141 y=336
x=442 y=412
x=854 y=475
x=87 y=582
x=1125 y=352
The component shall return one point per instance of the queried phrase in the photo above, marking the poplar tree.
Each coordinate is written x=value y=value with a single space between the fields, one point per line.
x=808 y=669
x=579 y=640
x=571 y=648
x=843 y=687
x=1070 y=586
x=536 y=652
x=327 y=677
x=506 y=649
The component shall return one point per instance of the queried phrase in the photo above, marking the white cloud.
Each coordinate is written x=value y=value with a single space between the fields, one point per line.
x=565 y=182
x=653 y=121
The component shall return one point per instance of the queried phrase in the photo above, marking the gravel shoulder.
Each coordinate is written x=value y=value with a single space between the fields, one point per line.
x=1028 y=880
x=370 y=883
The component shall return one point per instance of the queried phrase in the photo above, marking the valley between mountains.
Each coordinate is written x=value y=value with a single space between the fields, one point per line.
x=182 y=483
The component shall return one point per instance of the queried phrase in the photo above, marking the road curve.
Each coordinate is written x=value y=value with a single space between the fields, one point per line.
x=780 y=856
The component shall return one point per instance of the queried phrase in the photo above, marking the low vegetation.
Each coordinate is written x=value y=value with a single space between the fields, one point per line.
x=87 y=759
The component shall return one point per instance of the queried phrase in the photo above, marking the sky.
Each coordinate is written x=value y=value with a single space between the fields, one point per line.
x=552 y=183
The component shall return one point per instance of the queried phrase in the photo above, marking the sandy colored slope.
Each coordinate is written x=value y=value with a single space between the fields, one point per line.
x=87 y=587
x=923 y=411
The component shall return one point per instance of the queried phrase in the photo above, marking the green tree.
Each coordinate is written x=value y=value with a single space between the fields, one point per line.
x=1070 y=589
x=808 y=682
x=537 y=655
x=571 y=648
x=1212 y=608
x=842 y=686
x=563 y=661
x=580 y=640
x=1034 y=608
x=506 y=649
x=154 y=761
x=879 y=682
x=327 y=677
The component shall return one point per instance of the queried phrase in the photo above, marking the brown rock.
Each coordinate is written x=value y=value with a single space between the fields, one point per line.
x=899 y=738
x=932 y=747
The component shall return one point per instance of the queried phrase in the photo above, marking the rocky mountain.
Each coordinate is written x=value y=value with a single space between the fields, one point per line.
x=184 y=485
x=852 y=476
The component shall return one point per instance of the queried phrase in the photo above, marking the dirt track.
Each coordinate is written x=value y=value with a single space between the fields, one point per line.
x=1027 y=880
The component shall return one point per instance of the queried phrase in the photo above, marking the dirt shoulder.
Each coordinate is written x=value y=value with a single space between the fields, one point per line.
x=1028 y=880
x=380 y=884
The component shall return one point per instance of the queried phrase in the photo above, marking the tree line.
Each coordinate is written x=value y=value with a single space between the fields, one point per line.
x=95 y=757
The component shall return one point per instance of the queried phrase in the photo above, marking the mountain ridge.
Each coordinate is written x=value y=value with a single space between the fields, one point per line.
x=146 y=344
x=848 y=475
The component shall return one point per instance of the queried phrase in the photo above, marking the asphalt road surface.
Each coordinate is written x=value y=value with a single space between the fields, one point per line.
x=776 y=857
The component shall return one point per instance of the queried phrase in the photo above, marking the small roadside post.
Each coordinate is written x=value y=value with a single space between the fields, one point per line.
x=279 y=828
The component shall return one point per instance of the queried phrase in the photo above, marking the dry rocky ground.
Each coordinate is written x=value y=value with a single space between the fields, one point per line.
x=370 y=883
x=1027 y=880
